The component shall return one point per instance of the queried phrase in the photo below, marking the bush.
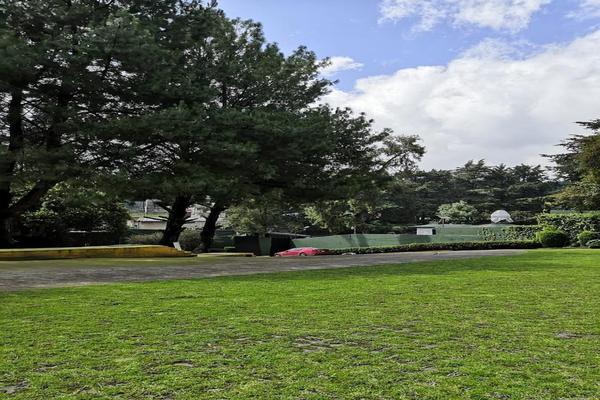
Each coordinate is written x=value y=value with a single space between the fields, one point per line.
x=145 y=238
x=189 y=239
x=584 y=237
x=510 y=233
x=571 y=223
x=594 y=244
x=517 y=244
x=68 y=208
x=552 y=238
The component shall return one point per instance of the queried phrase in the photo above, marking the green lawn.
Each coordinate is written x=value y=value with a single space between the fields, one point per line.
x=525 y=327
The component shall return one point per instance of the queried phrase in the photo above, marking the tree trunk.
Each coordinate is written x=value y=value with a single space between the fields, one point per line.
x=9 y=209
x=210 y=227
x=176 y=220
x=6 y=240
x=8 y=164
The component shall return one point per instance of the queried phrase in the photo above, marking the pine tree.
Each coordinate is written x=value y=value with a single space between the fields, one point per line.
x=63 y=70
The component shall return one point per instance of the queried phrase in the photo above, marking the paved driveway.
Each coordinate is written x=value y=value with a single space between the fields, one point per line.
x=45 y=277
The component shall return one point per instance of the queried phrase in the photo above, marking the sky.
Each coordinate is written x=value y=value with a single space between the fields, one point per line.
x=500 y=80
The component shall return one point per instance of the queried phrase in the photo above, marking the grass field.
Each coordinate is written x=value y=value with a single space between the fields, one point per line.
x=525 y=327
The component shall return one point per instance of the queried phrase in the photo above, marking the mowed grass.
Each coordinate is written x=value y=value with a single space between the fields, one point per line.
x=521 y=327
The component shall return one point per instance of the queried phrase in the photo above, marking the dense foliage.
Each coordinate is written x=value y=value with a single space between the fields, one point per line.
x=68 y=208
x=586 y=236
x=510 y=233
x=552 y=238
x=516 y=244
x=66 y=68
x=413 y=196
x=594 y=244
x=190 y=239
x=571 y=223
x=520 y=190
x=261 y=215
x=170 y=100
x=579 y=168
x=457 y=213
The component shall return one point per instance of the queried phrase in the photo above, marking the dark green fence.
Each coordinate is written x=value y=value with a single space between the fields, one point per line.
x=444 y=234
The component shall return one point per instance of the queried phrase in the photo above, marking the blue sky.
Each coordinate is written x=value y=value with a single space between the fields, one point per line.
x=387 y=46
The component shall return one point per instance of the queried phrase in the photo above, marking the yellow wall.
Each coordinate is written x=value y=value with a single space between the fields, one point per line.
x=92 y=252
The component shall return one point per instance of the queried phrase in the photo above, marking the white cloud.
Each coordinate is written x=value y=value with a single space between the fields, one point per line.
x=338 y=64
x=510 y=15
x=487 y=103
x=587 y=9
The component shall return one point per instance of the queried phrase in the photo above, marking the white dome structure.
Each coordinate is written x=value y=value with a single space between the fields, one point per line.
x=501 y=216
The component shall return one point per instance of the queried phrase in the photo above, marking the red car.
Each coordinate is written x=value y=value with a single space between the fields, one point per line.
x=300 y=251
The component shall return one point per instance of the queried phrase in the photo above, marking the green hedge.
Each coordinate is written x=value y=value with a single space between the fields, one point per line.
x=594 y=244
x=510 y=233
x=516 y=244
x=190 y=239
x=571 y=223
x=584 y=237
x=550 y=237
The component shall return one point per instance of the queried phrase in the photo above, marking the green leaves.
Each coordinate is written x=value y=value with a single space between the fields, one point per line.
x=458 y=213
x=580 y=161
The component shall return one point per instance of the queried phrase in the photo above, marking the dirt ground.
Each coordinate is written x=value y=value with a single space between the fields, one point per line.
x=86 y=272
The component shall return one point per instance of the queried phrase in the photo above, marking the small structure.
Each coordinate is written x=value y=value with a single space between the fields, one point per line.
x=501 y=216
x=426 y=230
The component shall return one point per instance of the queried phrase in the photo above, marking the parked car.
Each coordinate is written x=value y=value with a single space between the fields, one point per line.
x=301 y=252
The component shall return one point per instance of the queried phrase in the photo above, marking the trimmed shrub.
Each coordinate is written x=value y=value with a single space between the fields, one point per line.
x=552 y=238
x=510 y=233
x=584 y=237
x=189 y=239
x=594 y=244
x=145 y=238
x=571 y=223
x=517 y=244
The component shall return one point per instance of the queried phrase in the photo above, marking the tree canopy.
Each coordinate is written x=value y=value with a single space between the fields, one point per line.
x=579 y=168
x=170 y=100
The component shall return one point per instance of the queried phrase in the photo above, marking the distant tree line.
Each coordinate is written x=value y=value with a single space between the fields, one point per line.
x=470 y=194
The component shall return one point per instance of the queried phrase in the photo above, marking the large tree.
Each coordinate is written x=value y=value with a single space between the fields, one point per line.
x=229 y=115
x=318 y=154
x=589 y=159
x=64 y=68
x=580 y=158
x=367 y=204
x=579 y=168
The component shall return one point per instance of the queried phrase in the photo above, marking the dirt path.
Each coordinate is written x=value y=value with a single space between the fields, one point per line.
x=56 y=276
